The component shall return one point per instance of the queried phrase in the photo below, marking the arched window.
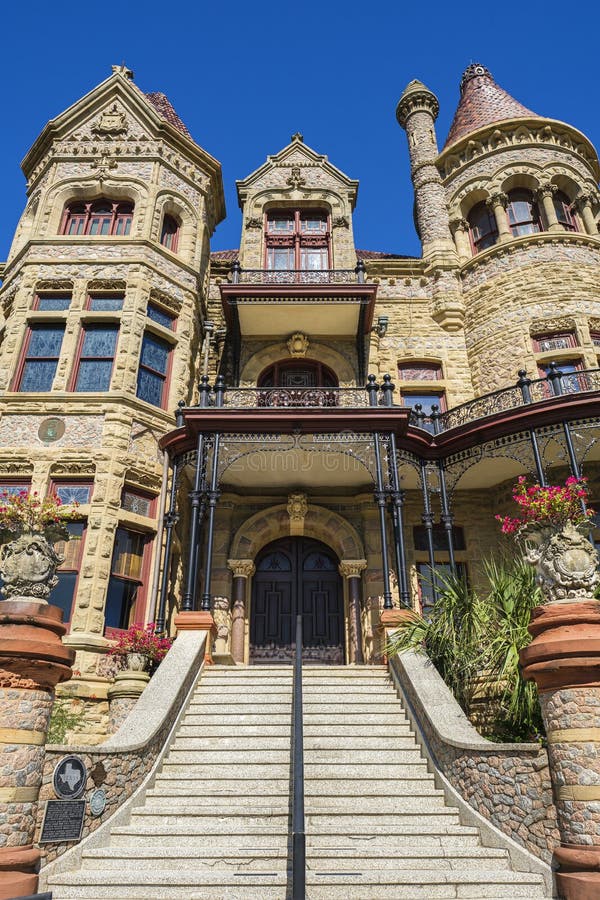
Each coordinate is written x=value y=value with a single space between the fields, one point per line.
x=564 y=212
x=523 y=213
x=483 y=229
x=297 y=382
x=169 y=235
x=100 y=217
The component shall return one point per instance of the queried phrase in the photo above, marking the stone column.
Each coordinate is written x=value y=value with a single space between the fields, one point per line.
x=564 y=661
x=351 y=570
x=460 y=230
x=242 y=570
x=123 y=694
x=33 y=661
x=498 y=203
x=584 y=207
x=545 y=194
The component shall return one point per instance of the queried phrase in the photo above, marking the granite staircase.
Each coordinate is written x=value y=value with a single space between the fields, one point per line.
x=216 y=822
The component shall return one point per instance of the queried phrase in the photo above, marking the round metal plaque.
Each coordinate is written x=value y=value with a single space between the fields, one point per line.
x=97 y=802
x=69 y=778
x=51 y=430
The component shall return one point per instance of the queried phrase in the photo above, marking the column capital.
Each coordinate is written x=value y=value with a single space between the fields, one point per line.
x=582 y=201
x=546 y=190
x=459 y=224
x=497 y=199
x=241 y=568
x=352 y=568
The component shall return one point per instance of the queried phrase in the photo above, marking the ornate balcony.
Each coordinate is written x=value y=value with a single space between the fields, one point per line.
x=295 y=398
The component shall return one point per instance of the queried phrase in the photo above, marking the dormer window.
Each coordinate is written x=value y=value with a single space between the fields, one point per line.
x=102 y=217
x=297 y=239
x=169 y=235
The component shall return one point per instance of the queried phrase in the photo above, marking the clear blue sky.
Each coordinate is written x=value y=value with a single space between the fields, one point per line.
x=245 y=75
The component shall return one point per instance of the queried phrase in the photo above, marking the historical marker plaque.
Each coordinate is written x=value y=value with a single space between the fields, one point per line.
x=70 y=776
x=63 y=821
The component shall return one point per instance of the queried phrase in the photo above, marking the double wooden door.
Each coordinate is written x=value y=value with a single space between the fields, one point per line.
x=297 y=576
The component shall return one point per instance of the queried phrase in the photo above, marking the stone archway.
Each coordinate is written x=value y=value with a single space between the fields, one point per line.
x=277 y=522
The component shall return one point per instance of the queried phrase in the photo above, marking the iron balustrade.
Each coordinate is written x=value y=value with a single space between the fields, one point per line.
x=298 y=833
x=523 y=393
x=283 y=397
x=296 y=276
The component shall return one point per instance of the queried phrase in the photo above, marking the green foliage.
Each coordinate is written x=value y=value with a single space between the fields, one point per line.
x=63 y=719
x=470 y=635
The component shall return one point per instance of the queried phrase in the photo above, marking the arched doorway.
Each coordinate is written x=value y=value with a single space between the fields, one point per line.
x=297 y=575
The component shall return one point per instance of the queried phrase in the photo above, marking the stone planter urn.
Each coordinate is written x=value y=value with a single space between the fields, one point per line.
x=564 y=559
x=28 y=564
x=137 y=662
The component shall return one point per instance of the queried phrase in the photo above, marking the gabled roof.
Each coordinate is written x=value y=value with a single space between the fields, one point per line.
x=291 y=155
x=482 y=102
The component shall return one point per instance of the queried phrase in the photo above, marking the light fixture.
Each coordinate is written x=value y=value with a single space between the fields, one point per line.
x=382 y=326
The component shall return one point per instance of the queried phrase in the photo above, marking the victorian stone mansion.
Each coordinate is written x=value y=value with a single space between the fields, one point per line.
x=296 y=427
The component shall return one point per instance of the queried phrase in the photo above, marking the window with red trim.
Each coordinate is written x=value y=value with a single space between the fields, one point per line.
x=483 y=229
x=39 y=357
x=63 y=595
x=138 y=502
x=595 y=336
x=95 y=357
x=153 y=371
x=564 y=212
x=105 y=302
x=127 y=584
x=169 y=233
x=412 y=370
x=523 y=212
x=52 y=302
x=161 y=316
x=100 y=217
x=294 y=373
x=69 y=492
x=297 y=239
x=14 y=487
x=554 y=340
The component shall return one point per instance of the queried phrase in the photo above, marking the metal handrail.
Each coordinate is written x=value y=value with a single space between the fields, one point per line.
x=298 y=834
x=525 y=392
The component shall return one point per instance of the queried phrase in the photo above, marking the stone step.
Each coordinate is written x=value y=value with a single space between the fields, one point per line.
x=202 y=819
x=234 y=757
x=344 y=731
x=221 y=857
x=417 y=856
x=231 y=719
x=257 y=702
x=410 y=780
x=221 y=787
x=335 y=703
x=232 y=800
x=352 y=690
x=194 y=741
x=259 y=670
x=364 y=742
x=196 y=727
x=362 y=721
x=241 y=694
x=424 y=884
x=409 y=753
x=212 y=769
x=156 y=882
x=317 y=807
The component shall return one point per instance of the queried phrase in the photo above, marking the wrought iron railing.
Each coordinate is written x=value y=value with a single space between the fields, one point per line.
x=523 y=393
x=285 y=398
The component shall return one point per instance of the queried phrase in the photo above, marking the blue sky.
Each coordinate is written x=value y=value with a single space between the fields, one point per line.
x=245 y=76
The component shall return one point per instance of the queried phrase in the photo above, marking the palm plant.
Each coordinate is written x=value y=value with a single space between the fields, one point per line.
x=471 y=636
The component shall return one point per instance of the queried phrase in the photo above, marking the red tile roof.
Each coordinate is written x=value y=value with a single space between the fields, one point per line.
x=225 y=255
x=164 y=107
x=482 y=102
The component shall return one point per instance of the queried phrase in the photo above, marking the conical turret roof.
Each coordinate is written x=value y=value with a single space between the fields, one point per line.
x=482 y=102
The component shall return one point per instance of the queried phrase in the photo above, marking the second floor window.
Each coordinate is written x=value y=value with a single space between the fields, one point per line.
x=297 y=239
x=125 y=597
x=483 y=229
x=169 y=234
x=40 y=356
x=153 y=371
x=523 y=213
x=556 y=340
x=96 y=356
x=101 y=217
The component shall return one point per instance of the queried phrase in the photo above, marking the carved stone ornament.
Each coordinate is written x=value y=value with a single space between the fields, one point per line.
x=254 y=222
x=111 y=121
x=296 y=179
x=297 y=509
x=103 y=165
x=565 y=561
x=341 y=222
x=28 y=566
x=298 y=344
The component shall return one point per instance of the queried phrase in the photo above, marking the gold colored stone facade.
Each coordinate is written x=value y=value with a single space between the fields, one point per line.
x=472 y=316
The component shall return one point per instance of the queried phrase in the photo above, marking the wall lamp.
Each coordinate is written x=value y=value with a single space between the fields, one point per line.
x=382 y=326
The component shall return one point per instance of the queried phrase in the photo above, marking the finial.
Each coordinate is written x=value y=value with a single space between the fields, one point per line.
x=475 y=70
x=124 y=71
x=298 y=136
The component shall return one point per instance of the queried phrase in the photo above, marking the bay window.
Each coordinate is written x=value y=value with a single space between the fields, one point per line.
x=95 y=357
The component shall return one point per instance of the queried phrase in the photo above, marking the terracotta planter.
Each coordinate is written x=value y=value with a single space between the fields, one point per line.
x=564 y=559
x=28 y=566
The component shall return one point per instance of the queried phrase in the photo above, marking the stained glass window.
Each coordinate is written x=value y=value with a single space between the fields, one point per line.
x=72 y=493
x=106 y=304
x=42 y=351
x=52 y=302
x=12 y=488
x=419 y=371
x=160 y=316
x=138 y=503
x=152 y=374
x=96 y=358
